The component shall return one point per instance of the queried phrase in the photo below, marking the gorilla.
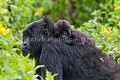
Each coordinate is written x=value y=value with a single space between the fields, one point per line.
x=63 y=26
x=53 y=45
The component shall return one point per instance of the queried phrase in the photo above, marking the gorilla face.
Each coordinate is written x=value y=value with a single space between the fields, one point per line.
x=26 y=47
x=34 y=35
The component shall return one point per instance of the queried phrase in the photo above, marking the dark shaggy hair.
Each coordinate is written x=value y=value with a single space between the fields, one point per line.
x=63 y=29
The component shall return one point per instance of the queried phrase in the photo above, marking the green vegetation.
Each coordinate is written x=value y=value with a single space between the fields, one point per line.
x=100 y=19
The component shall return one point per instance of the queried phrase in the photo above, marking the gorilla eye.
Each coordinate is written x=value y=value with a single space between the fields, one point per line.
x=44 y=32
x=27 y=36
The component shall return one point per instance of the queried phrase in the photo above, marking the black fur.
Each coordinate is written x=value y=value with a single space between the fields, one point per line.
x=63 y=29
x=71 y=62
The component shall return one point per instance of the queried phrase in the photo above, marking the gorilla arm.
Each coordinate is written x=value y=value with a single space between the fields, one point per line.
x=51 y=59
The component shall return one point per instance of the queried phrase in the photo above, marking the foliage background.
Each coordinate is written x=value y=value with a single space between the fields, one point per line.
x=100 y=19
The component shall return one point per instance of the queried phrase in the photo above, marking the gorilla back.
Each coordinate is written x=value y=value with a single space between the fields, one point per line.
x=60 y=55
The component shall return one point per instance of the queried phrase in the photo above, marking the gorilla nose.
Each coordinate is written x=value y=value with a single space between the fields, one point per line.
x=24 y=45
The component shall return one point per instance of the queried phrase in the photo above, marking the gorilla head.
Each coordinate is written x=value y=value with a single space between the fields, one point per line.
x=34 y=35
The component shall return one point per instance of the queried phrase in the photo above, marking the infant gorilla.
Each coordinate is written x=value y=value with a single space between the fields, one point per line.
x=63 y=29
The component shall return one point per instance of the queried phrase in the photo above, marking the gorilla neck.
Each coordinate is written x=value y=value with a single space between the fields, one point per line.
x=36 y=52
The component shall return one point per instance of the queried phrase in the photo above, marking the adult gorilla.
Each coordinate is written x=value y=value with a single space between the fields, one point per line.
x=54 y=46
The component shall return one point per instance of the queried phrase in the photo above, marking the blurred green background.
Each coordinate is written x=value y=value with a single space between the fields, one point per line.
x=99 y=19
